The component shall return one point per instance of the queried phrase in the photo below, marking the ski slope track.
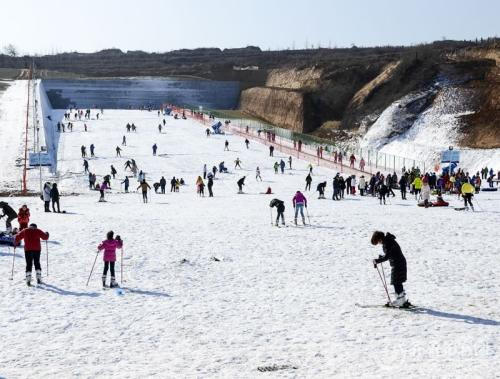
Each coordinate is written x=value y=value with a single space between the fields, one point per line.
x=273 y=299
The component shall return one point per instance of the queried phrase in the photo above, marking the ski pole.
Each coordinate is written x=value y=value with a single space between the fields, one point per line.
x=47 y=250
x=271 y=213
x=307 y=212
x=13 y=259
x=95 y=260
x=121 y=265
x=385 y=287
x=383 y=274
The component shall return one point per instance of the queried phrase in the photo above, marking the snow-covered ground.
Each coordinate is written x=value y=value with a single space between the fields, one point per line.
x=431 y=133
x=283 y=296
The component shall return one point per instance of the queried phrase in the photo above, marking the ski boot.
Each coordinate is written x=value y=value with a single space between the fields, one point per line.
x=400 y=301
x=113 y=283
x=39 y=277
x=28 y=279
x=276 y=223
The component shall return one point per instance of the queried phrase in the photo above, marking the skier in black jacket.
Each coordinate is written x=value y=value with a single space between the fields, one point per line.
x=403 y=183
x=392 y=253
x=280 y=207
x=241 y=183
x=321 y=189
x=9 y=213
x=54 y=196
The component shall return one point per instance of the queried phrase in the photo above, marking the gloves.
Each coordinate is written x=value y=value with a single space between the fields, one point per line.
x=48 y=235
x=118 y=238
x=374 y=263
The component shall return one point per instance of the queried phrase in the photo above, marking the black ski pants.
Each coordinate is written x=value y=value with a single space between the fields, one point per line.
x=31 y=257
x=281 y=213
x=467 y=199
x=403 y=193
x=308 y=186
x=111 y=266
x=398 y=288
x=210 y=193
x=145 y=196
x=55 y=202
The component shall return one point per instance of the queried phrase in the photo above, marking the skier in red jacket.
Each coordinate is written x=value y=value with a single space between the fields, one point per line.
x=32 y=249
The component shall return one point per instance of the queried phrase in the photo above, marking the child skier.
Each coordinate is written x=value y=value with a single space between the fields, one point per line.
x=23 y=217
x=109 y=245
x=392 y=253
x=32 y=249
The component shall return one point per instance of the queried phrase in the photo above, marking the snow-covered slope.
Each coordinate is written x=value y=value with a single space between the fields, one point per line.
x=404 y=131
x=283 y=296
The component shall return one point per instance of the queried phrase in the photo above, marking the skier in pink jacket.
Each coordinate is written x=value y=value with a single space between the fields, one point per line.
x=299 y=202
x=109 y=245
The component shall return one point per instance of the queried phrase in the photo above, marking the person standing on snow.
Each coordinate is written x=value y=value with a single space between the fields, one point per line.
x=46 y=197
x=257 y=174
x=271 y=151
x=299 y=202
x=144 y=186
x=403 y=183
x=290 y=162
x=226 y=145
x=109 y=246
x=321 y=189
x=8 y=212
x=118 y=151
x=154 y=149
x=241 y=183
x=124 y=141
x=54 y=196
x=84 y=151
x=32 y=250
x=393 y=254
x=467 y=190
x=417 y=186
x=282 y=166
x=237 y=163
x=23 y=217
x=210 y=184
x=308 y=182
x=126 y=182
x=85 y=166
x=113 y=171
x=247 y=143
x=204 y=171
x=280 y=208
x=163 y=184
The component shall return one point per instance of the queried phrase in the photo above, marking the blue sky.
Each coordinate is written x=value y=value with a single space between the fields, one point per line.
x=50 y=26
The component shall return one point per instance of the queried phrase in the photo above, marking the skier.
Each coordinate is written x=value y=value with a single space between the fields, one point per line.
x=290 y=162
x=54 y=196
x=247 y=142
x=226 y=145
x=154 y=149
x=124 y=141
x=9 y=213
x=382 y=192
x=46 y=197
x=128 y=164
x=32 y=249
x=392 y=253
x=310 y=168
x=204 y=171
x=92 y=147
x=207 y=132
x=210 y=185
x=85 y=165
x=113 y=171
x=109 y=245
x=321 y=189
x=159 y=128
x=299 y=202
x=308 y=182
x=163 y=184
x=282 y=166
x=118 y=151
x=467 y=191
x=23 y=217
x=241 y=183
x=257 y=174
x=172 y=184
x=144 y=187
x=84 y=151
x=280 y=207
x=126 y=182
x=237 y=163
x=271 y=151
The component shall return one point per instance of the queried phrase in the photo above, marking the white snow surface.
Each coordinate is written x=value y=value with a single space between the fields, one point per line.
x=434 y=131
x=277 y=296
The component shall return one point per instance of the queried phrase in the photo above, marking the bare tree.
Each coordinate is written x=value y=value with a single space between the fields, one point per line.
x=10 y=50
